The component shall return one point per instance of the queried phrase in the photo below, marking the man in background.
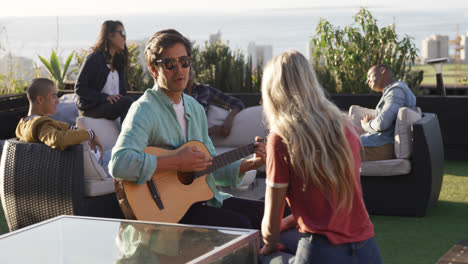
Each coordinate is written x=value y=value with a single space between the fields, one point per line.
x=207 y=95
x=380 y=129
x=39 y=127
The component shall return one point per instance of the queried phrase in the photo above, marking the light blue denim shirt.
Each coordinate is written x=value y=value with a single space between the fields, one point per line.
x=152 y=121
x=381 y=129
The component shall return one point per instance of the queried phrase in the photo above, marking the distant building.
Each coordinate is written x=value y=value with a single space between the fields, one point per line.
x=463 y=51
x=261 y=54
x=215 y=37
x=435 y=46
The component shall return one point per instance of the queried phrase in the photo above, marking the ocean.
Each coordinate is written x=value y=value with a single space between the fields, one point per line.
x=282 y=28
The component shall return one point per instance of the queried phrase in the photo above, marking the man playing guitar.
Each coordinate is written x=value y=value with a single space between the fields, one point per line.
x=167 y=118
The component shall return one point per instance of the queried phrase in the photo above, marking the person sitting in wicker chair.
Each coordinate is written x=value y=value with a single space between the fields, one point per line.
x=39 y=127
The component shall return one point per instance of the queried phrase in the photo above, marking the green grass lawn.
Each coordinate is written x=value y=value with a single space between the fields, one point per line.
x=448 y=73
x=415 y=240
x=3 y=224
x=425 y=240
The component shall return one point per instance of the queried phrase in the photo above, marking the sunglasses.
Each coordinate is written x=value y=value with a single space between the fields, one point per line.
x=170 y=64
x=122 y=33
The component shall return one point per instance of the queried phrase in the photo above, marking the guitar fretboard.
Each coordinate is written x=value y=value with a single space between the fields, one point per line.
x=226 y=158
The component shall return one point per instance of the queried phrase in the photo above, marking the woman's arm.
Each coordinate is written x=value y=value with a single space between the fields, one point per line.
x=274 y=204
x=278 y=173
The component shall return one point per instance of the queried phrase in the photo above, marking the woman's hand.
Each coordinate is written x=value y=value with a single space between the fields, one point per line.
x=267 y=249
x=113 y=98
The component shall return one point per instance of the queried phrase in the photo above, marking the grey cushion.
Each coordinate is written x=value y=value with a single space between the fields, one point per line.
x=385 y=167
x=97 y=180
x=99 y=187
x=403 y=135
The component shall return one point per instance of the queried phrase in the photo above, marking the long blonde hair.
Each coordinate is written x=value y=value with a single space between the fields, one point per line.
x=311 y=126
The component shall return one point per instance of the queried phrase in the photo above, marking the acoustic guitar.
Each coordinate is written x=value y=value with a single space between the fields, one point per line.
x=168 y=196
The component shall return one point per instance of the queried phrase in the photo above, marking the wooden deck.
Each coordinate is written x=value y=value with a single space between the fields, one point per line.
x=458 y=254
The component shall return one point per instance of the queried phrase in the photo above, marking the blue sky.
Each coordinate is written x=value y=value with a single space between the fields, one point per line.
x=93 y=7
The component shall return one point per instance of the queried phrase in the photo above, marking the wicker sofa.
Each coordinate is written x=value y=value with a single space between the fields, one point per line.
x=410 y=184
x=39 y=183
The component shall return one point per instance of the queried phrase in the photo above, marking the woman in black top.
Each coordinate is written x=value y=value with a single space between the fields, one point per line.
x=102 y=85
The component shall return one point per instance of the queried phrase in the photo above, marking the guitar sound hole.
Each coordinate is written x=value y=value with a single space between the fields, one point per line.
x=185 y=178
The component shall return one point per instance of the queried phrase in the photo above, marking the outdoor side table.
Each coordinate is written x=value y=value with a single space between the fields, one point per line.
x=74 y=239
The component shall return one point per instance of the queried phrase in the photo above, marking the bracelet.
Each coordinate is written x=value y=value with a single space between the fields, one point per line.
x=91 y=135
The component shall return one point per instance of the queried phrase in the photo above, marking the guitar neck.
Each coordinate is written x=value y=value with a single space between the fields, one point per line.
x=227 y=158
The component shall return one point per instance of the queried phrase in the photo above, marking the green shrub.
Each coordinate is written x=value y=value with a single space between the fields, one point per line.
x=55 y=70
x=214 y=64
x=342 y=57
x=80 y=57
x=230 y=71
x=10 y=81
x=137 y=76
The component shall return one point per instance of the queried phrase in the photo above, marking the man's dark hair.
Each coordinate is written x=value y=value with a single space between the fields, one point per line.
x=162 y=40
x=120 y=61
x=38 y=86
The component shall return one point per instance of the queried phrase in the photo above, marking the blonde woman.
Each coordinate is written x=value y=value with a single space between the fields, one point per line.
x=313 y=162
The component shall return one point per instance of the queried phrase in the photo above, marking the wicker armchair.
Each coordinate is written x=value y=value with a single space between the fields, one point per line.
x=39 y=183
x=416 y=193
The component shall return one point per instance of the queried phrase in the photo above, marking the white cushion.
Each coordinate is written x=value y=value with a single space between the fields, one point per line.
x=385 y=167
x=92 y=169
x=96 y=180
x=107 y=130
x=99 y=187
x=403 y=134
x=356 y=113
x=247 y=124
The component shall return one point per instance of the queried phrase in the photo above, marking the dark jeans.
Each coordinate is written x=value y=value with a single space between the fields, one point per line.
x=317 y=249
x=235 y=212
x=109 y=111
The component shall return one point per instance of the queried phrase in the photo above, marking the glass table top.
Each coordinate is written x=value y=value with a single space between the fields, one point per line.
x=72 y=239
